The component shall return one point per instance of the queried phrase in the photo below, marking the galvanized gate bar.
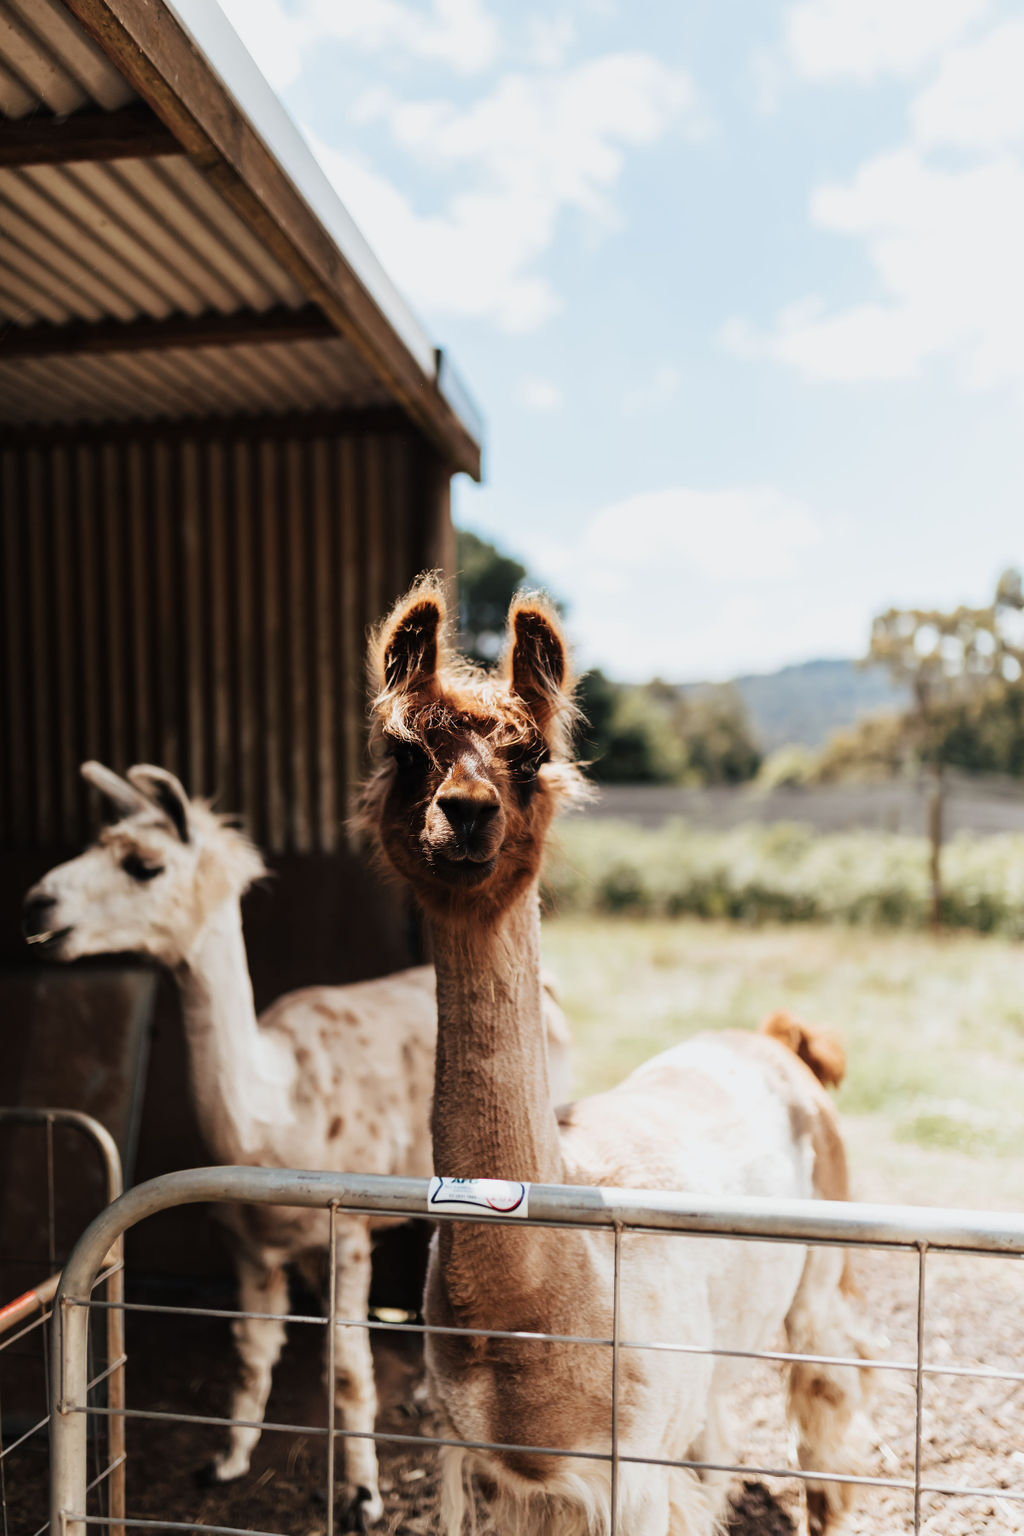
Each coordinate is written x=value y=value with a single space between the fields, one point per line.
x=575 y=1205
x=899 y=1227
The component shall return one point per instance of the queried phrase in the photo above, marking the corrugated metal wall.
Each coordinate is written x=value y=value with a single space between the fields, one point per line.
x=200 y=600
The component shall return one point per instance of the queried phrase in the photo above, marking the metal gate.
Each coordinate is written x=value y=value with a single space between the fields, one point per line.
x=919 y=1232
x=25 y=1316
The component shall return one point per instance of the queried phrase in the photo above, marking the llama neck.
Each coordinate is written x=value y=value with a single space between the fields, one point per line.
x=241 y=1077
x=492 y=1114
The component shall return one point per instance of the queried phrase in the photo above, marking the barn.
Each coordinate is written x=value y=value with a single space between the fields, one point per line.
x=225 y=445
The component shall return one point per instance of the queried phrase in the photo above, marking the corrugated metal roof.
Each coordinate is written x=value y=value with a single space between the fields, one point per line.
x=125 y=239
x=47 y=63
x=153 y=236
x=187 y=382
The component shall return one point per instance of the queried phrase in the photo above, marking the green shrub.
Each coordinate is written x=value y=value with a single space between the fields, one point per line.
x=789 y=767
x=784 y=872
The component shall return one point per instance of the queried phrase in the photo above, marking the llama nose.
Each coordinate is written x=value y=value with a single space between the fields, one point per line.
x=468 y=816
x=35 y=913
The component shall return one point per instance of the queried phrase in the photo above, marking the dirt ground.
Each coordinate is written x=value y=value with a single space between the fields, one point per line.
x=971 y=1428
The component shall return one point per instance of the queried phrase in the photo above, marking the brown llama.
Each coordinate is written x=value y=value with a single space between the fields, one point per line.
x=473 y=767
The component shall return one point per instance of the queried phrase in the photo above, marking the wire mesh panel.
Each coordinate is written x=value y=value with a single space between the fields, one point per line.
x=916 y=1469
x=29 y=1284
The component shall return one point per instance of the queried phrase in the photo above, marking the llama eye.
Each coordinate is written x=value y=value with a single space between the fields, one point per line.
x=407 y=755
x=525 y=773
x=135 y=866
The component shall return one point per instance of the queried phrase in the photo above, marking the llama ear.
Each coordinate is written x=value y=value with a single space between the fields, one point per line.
x=166 y=792
x=409 y=641
x=124 y=797
x=539 y=661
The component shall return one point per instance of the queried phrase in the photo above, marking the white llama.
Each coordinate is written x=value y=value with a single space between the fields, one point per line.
x=336 y=1078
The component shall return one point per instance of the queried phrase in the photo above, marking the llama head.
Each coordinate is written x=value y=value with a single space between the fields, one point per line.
x=152 y=879
x=473 y=764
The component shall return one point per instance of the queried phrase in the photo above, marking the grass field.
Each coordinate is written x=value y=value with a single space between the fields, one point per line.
x=934 y=1030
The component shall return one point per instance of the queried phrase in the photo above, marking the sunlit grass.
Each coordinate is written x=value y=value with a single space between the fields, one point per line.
x=934 y=1027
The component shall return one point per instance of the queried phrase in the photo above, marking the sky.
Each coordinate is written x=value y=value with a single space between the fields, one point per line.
x=738 y=288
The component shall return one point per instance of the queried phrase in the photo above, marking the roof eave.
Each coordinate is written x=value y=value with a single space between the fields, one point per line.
x=184 y=59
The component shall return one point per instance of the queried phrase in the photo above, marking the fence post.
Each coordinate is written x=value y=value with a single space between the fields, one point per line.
x=110 y=1157
x=68 y=1428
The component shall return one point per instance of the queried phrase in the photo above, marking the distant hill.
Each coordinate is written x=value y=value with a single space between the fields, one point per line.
x=807 y=702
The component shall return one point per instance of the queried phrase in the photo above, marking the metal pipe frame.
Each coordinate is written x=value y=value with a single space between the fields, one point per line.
x=112 y=1267
x=910 y=1228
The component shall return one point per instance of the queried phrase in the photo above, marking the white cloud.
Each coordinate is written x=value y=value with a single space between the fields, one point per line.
x=745 y=534
x=687 y=583
x=976 y=101
x=469 y=260
x=662 y=387
x=548 y=40
x=461 y=34
x=534 y=147
x=944 y=239
x=947 y=250
x=552 y=139
x=539 y=394
x=682 y=636
x=536 y=144
x=865 y=39
x=868 y=341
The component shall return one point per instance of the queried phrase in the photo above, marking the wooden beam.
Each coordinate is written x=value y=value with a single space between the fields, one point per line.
x=145 y=42
x=210 y=330
x=293 y=426
x=131 y=133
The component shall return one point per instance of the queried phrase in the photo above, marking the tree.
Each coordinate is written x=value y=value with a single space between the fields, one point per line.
x=790 y=767
x=874 y=748
x=719 y=738
x=986 y=735
x=656 y=733
x=951 y=662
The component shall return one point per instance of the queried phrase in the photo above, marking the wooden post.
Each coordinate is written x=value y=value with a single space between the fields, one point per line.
x=936 y=807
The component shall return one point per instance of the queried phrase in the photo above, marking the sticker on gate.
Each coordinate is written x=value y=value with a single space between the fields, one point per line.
x=478 y=1197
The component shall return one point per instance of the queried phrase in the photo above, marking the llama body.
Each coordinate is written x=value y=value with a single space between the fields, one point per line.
x=335 y=1078
x=480 y=764
x=687 y=1291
